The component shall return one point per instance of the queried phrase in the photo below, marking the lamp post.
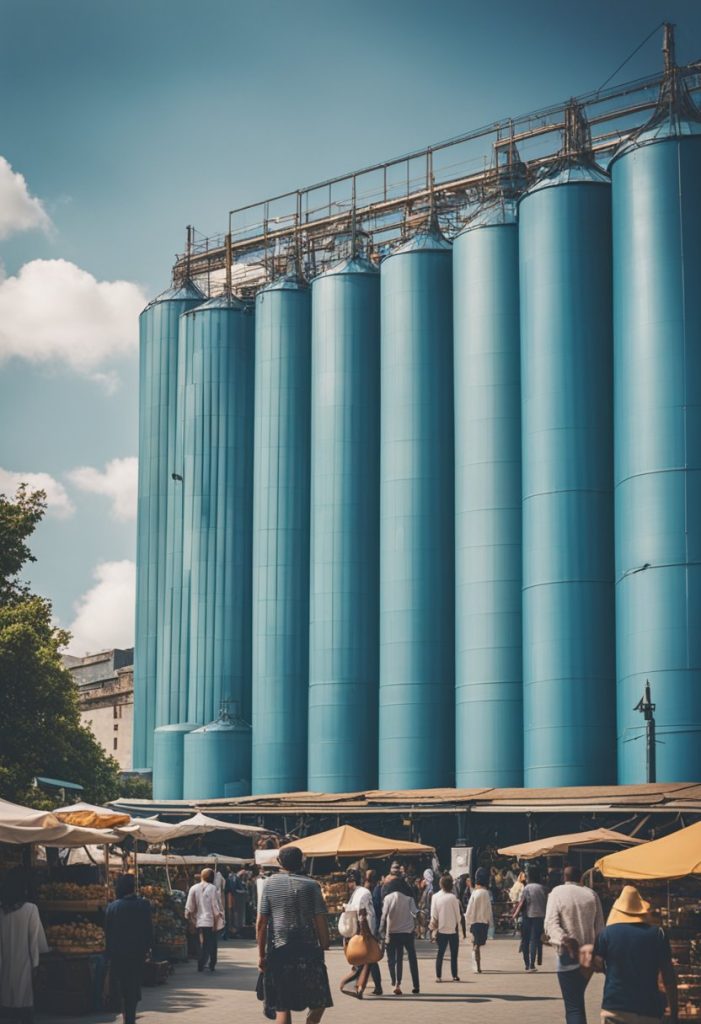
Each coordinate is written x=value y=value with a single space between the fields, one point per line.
x=647 y=708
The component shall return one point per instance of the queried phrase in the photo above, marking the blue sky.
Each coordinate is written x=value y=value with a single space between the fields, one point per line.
x=129 y=119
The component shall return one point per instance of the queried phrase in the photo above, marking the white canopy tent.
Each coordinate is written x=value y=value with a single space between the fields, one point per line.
x=152 y=831
x=19 y=825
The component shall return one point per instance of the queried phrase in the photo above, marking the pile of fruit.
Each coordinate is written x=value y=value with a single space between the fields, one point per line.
x=168 y=926
x=155 y=893
x=79 y=936
x=60 y=891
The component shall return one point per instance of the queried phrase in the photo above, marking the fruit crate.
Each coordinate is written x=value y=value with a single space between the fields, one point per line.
x=71 y=906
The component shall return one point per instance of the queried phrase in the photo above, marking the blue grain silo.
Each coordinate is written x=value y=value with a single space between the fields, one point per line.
x=158 y=373
x=657 y=390
x=280 y=673
x=217 y=758
x=487 y=381
x=172 y=684
x=417 y=600
x=567 y=438
x=218 y=510
x=169 y=760
x=345 y=436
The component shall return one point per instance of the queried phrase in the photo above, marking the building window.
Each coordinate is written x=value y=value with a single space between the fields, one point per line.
x=120 y=710
x=114 y=711
x=116 y=726
x=115 y=743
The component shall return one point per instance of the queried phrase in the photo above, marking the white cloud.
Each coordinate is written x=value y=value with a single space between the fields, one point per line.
x=54 y=312
x=105 y=613
x=58 y=501
x=118 y=482
x=19 y=211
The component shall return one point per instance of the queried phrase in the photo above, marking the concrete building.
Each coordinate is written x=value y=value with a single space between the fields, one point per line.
x=106 y=697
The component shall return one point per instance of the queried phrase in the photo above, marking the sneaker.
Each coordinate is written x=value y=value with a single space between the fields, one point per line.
x=438 y=981
x=377 y=992
x=456 y=978
x=415 y=992
x=397 y=990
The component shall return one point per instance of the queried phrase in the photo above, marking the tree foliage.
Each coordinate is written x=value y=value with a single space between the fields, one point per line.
x=40 y=729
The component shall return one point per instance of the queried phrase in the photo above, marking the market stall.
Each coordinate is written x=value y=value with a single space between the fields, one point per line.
x=560 y=847
x=349 y=844
x=667 y=872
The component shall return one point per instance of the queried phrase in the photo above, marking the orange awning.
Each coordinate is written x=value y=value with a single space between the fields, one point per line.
x=561 y=844
x=673 y=856
x=348 y=841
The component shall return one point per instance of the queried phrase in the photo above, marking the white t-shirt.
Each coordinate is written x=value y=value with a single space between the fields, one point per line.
x=446 y=913
x=204 y=904
x=479 y=909
x=361 y=899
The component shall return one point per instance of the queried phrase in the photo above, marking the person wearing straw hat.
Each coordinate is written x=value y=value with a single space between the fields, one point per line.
x=633 y=952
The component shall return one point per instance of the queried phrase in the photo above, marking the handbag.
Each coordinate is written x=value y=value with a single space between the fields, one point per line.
x=363 y=949
x=348 y=923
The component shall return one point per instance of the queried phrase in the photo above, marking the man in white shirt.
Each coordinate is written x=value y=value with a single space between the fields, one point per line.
x=446 y=918
x=397 y=927
x=479 y=917
x=573 y=918
x=204 y=911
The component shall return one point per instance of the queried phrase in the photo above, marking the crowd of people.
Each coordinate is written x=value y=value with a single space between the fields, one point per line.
x=629 y=948
x=292 y=935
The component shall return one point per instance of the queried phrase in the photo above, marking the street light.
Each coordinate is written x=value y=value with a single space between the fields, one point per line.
x=647 y=708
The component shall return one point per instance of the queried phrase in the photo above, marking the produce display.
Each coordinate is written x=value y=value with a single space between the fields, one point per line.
x=155 y=894
x=76 y=937
x=64 y=891
x=335 y=891
x=168 y=917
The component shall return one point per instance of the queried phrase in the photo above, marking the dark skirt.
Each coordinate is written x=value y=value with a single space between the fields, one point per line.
x=479 y=934
x=295 y=978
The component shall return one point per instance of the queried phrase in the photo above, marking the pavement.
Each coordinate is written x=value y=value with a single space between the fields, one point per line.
x=503 y=994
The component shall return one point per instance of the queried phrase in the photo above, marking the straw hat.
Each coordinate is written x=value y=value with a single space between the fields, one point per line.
x=629 y=908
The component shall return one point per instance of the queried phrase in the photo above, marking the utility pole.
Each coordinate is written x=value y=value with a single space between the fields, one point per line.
x=647 y=708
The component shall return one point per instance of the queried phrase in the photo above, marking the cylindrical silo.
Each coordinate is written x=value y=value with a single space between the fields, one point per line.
x=567 y=441
x=168 y=760
x=417 y=577
x=657 y=400
x=218 y=759
x=173 y=661
x=487 y=382
x=345 y=435
x=158 y=372
x=218 y=507
x=280 y=657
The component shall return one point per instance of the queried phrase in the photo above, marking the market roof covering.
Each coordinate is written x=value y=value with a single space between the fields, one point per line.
x=673 y=856
x=659 y=797
x=91 y=816
x=561 y=844
x=348 y=841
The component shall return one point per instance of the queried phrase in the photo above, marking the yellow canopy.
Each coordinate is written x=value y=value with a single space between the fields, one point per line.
x=348 y=841
x=90 y=816
x=673 y=856
x=561 y=844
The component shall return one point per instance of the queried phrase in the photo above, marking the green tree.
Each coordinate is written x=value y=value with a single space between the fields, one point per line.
x=40 y=728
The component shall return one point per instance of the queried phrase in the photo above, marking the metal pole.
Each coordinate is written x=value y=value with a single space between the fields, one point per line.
x=647 y=708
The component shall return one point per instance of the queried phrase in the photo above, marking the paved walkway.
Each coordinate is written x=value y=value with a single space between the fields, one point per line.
x=502 y=994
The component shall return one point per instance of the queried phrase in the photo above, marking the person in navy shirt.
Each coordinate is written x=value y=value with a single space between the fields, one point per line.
x=634 y=952
x=128 y=937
